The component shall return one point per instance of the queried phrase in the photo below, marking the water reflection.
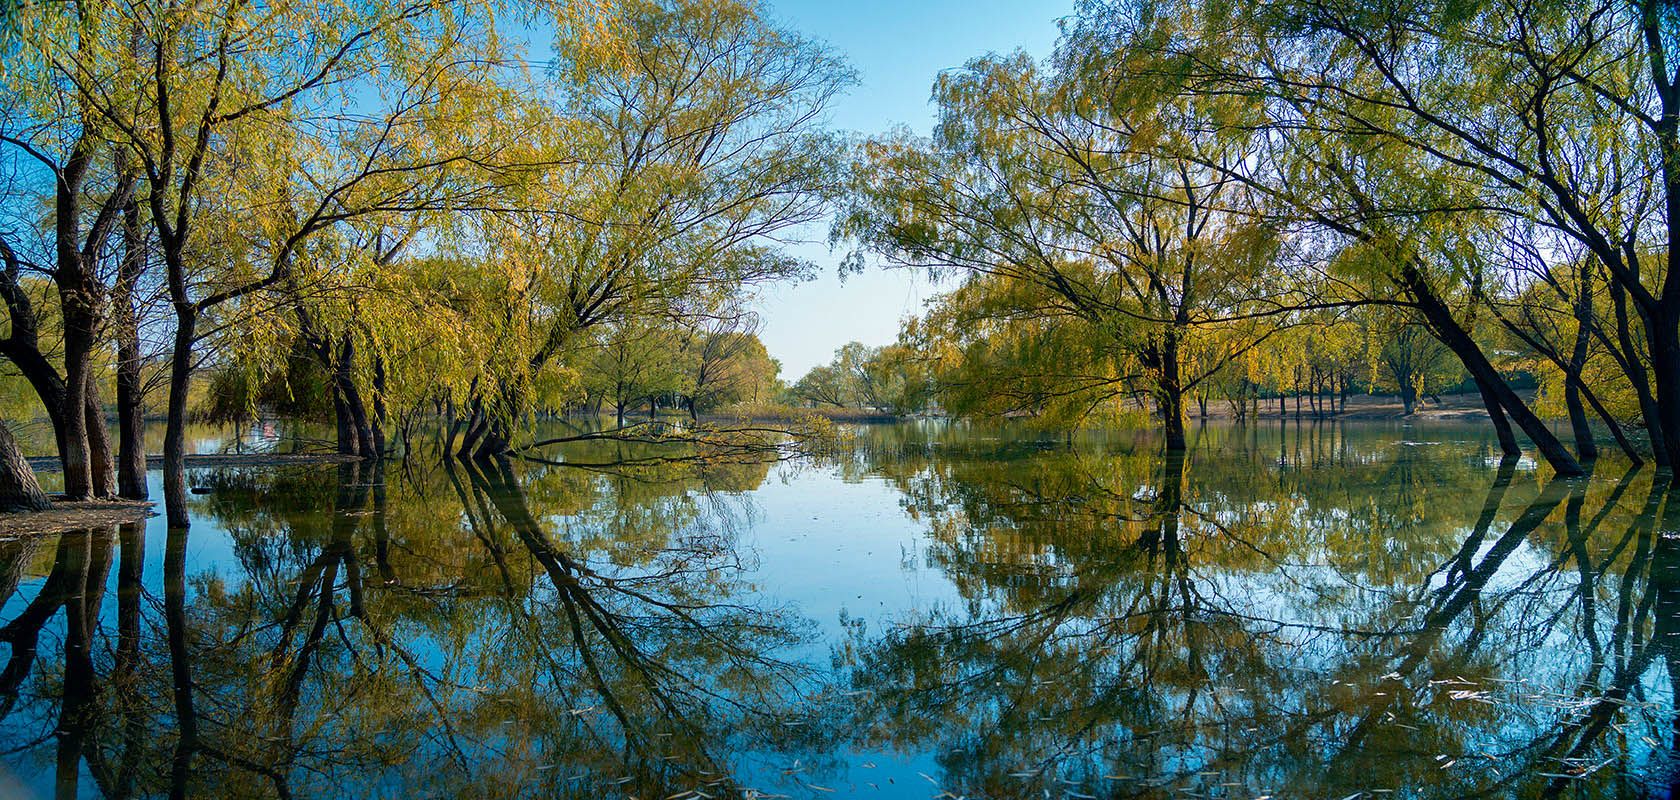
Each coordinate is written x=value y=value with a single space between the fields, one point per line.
x=1312 y=610
x=1343 y=620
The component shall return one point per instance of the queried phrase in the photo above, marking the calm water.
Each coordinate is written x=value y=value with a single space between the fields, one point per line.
x=1294 y=610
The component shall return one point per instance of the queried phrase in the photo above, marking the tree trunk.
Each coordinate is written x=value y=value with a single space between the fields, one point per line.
x=496 y=440
x=73 y=440
x=78 y=316
x=475 y=430
x=131 y=411
x=131 y=420
x=1638 y=378
x=1449 y=332
x=1408 y=394
x=18 y=489
x=1170 y=395
x=175 y=424
x=1508 y=446
x=378 y=421
x=344 y=434
x=1665 y=368
x=99 y=445
x=344 y=377
x=1585 y=447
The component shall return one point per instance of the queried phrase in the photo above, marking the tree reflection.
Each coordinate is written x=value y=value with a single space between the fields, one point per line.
x=1338 y=620
x=555 y=632
x=1293 y=611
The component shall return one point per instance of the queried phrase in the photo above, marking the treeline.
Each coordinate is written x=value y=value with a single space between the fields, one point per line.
x=1310 y=369
x=388 y=212
x=1195 y=199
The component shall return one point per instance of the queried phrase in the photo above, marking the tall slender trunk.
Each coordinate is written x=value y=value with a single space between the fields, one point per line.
x=73 y=450
x=175 y=423
x=79 y=316
x=1610 y=422
x=478 y=425
x=378 y=420
x=131 y=411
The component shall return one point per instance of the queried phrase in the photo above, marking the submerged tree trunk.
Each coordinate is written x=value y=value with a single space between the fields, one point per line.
x=1508 y=446
x=1638 y=378
x=344 y=439
x=1585 y=448
x=1665 y=368
x=1447 y=329
x=378 y=421
x=18 y=489
x=344 y=375
x=1169 y=390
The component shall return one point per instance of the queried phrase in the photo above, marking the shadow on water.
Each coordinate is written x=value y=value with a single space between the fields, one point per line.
x=1304 y=610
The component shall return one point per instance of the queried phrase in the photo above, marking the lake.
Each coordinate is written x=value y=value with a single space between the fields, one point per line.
x=1292 y=609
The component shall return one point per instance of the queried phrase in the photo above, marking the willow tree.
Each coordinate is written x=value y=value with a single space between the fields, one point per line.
x=1063 y=207
x=256 y=127
x=724 y=362
x=65 y=200
x=689 y=148
x=1380 y=142
x=1555 y=115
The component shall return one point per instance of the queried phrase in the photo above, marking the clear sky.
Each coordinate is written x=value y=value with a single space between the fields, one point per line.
x=897 y=48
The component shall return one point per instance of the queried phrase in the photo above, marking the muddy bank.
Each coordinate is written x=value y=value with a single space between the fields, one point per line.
x=67 y=515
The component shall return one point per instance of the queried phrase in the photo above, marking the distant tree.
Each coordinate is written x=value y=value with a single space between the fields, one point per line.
x=725 y=363
x=1416 y=363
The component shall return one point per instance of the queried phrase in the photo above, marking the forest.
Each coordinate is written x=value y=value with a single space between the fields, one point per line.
x=453 y=220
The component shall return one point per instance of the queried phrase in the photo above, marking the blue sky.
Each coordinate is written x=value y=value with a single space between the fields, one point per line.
x=897 y=48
